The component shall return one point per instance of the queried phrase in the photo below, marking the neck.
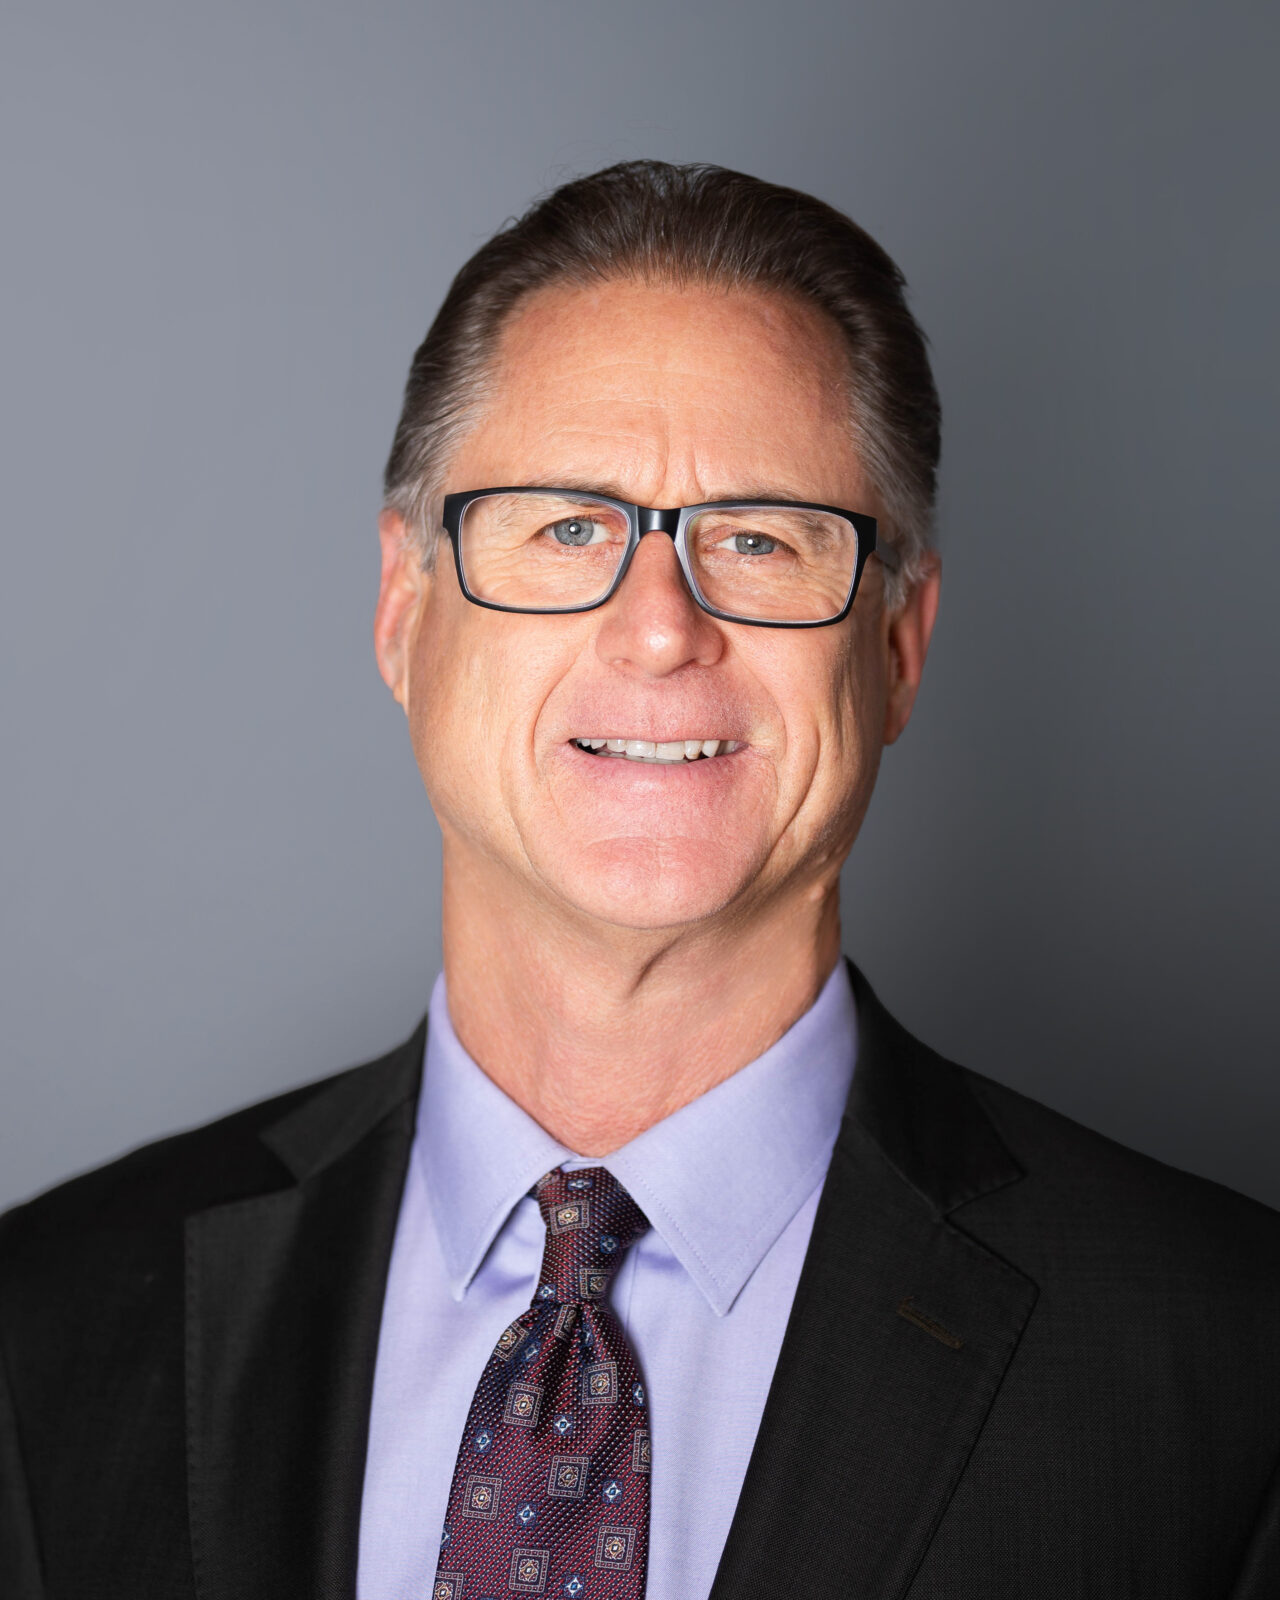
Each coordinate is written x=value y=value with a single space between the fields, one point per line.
x=600 y=1033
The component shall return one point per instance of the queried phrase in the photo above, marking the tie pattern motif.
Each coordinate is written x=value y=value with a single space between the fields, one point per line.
x=551 y=1491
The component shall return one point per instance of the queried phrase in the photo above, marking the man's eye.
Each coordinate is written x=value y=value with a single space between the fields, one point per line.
x=748 y=544
x=576 y=531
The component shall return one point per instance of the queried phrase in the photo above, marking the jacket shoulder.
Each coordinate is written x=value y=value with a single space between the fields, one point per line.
x=1082 y=1184
x=130 y=1202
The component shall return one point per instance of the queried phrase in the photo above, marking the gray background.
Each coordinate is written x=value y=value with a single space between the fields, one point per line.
x=225 y=229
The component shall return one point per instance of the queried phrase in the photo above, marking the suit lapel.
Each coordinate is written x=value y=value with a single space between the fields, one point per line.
x=284 y=1300
x=900 y=1333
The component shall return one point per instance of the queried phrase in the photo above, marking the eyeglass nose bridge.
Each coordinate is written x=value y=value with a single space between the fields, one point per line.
x=653 y=519
x=670 y=520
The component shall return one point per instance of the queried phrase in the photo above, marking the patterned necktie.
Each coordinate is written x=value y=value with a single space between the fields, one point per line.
x=551 y=1491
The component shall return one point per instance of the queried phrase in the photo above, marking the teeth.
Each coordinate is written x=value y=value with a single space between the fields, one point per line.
x=672 y=751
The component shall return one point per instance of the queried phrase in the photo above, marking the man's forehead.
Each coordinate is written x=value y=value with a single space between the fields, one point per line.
x=626 y=388
x=626 y=331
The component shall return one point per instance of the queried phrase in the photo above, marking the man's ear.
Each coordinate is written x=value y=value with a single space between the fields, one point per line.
x=909 y=630
x=401 y=595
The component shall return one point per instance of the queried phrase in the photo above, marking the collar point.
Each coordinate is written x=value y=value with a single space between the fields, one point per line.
x=720 y=1297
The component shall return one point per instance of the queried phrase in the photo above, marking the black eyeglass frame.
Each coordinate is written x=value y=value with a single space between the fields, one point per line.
x=671 y=520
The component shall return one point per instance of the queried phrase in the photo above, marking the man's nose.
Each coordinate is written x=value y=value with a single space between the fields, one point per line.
x=653 y=624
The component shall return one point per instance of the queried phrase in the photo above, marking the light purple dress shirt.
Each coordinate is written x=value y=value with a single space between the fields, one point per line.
x=730 y=1184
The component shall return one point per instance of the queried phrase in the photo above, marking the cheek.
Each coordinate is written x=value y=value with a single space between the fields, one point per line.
x=478 y=685
x=451 y=717
x=832 y=708
x=858 y=695
x=825 y=697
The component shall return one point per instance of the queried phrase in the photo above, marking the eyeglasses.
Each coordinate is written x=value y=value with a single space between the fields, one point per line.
x=770 y=563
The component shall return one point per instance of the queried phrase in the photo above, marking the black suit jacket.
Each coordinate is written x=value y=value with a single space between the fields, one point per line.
x=1022 y=1360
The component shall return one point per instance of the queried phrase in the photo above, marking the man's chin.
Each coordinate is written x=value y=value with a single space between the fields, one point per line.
x=651 y=884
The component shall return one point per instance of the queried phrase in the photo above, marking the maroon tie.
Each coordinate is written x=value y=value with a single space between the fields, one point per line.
x=551 y=1491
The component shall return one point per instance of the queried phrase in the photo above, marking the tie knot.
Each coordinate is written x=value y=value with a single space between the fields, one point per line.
x=591 y=1223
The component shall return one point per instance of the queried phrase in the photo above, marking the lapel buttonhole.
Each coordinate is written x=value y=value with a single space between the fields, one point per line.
x=907 y=1309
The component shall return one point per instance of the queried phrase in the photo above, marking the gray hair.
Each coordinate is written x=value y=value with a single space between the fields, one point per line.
x=685 y=224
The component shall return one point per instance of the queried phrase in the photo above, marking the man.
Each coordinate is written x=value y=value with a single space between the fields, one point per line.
x=660 y=1260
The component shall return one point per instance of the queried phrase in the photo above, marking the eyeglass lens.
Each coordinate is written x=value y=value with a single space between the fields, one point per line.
x=546 y=552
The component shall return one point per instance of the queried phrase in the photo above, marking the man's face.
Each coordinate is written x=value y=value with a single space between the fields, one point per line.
x=664 y=397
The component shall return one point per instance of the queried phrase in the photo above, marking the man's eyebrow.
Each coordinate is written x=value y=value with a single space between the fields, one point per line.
x=583 y=486
x=743 y=491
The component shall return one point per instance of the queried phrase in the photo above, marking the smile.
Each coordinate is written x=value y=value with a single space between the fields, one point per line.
x=670 y=752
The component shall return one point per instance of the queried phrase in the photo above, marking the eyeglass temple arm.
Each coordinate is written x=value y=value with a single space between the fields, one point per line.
x=887 y=556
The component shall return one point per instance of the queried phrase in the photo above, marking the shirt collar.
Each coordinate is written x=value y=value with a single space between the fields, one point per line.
x=719 y=1179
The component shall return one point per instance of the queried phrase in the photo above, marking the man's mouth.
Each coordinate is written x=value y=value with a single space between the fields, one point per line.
x=668 y=752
